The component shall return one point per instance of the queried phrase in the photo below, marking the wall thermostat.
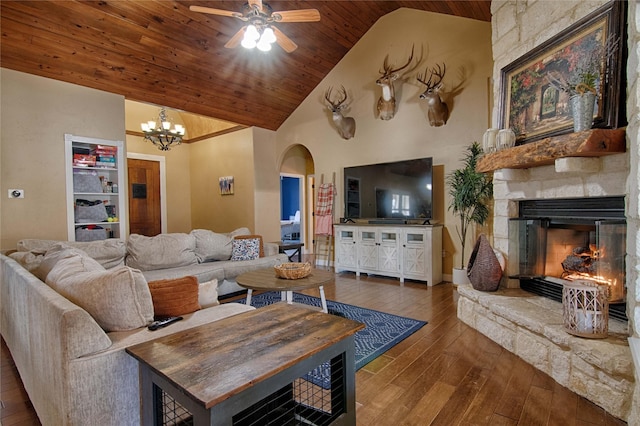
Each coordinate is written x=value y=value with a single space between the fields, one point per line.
x=16 y=193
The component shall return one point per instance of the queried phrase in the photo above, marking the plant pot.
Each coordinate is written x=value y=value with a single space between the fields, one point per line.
x=582 y=106
x=460 y=276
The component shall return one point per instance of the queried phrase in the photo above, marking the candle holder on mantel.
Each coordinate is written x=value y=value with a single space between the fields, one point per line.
x=585 y=308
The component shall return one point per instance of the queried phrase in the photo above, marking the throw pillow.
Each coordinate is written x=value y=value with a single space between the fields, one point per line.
x=245 y=249
x=208 y=294
x=59 y=252
x=250 y=237
x=161 y=252
x=117 y=299
x=211 y=246
x=174 y=297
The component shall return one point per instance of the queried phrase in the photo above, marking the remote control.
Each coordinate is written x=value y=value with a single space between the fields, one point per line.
x=163 y=323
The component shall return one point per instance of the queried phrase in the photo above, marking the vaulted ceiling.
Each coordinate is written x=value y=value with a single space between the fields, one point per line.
x=158 y=51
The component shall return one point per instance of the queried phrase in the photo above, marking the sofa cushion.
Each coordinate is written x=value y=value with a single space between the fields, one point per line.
x=239 y=231
x=175 y=297
x=249 y=237
x=211 y=245
x=245 y=249
x=202 y=271
x=109 y=253
x=208 y=294
x=60 y=252
x=118 y=299
x=161 y=252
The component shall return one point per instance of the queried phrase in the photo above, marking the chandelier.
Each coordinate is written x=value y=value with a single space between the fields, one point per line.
x=160 y=132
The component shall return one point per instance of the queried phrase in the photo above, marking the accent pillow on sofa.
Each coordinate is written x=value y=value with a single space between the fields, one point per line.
x=161 y=252
x=208 y=294
x=250 y=237
x=174 y=297
x=245 y=249
x=211 y=246
x=117 y=299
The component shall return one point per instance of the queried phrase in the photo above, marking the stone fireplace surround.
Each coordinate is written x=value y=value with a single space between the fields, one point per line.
x=531 y=326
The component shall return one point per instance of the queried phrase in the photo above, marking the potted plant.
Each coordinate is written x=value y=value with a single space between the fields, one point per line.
x=588 y=67
x=470 y=193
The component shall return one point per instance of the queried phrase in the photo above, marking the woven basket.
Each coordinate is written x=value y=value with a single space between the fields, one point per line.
x=293 y=270
x=484 y=270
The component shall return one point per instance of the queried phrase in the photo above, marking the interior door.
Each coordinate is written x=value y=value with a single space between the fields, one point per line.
x=144 y=197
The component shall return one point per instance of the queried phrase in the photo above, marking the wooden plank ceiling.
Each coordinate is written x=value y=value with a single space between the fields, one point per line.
x=162 y=53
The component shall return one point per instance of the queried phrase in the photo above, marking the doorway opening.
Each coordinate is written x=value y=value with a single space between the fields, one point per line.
x=291 y=207
x=147 y=194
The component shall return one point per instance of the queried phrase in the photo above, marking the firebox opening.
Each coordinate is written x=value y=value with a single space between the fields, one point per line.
x=560 y=240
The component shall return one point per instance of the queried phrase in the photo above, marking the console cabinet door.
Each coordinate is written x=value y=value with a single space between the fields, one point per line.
x=413 y=254
x=368 y=250
x=388 y=242
x=346 y=250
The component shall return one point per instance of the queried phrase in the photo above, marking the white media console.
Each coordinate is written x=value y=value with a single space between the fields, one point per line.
x=402 y=251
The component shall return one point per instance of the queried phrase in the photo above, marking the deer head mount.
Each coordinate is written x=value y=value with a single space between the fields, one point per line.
x=438 y=111
x=346 y=125
x=387 y=102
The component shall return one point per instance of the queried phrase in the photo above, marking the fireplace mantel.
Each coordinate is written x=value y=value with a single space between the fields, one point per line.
x=590 y=143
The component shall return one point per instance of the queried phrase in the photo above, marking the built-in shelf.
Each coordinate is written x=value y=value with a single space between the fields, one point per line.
x=590 y=143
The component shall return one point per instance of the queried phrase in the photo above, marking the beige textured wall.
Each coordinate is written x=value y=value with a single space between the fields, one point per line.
x=227 y=155
x=267 y=185
x=36 y=113
x=438 y=38
x=177 y=161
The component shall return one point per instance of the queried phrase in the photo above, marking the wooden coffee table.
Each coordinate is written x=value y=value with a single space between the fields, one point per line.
x=266 y=280
x=218 y=370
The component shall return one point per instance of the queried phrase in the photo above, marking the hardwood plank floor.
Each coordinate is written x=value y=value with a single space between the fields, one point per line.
x=444 y=374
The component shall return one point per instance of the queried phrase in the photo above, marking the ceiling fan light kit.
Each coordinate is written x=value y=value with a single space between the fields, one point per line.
x=259 y=32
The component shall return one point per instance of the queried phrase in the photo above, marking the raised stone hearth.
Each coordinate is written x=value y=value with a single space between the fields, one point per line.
x=532 y=327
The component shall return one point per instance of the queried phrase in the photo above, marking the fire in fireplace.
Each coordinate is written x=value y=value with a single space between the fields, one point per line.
x=560 y=240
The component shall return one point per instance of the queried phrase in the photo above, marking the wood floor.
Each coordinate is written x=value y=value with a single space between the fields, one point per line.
x=444 y=374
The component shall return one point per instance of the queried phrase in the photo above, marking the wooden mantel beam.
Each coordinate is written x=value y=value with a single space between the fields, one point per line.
x=590 y=143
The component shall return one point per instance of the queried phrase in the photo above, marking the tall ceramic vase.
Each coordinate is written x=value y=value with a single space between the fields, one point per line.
x=582 y=106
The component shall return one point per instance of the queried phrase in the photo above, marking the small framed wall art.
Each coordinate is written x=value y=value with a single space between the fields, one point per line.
x=226 y=185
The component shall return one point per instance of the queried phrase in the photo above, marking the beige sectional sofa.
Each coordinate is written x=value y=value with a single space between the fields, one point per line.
x=71 y=356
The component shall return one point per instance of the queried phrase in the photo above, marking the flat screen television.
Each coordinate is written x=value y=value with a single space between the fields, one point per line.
x=395 y=192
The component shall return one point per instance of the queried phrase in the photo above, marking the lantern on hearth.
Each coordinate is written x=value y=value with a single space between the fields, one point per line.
x=585 y=307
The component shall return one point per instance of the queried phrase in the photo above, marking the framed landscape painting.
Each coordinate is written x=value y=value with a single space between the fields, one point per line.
x=534 y=107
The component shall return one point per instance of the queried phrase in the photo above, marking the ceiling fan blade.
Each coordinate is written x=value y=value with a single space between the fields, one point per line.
x=236 y=39
x=302 y=15
x=285 y=42
x=212 y=11
x=255 y=4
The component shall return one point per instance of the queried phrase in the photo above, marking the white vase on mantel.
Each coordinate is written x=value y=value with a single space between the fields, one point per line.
x=460 y=277
x=506 y=139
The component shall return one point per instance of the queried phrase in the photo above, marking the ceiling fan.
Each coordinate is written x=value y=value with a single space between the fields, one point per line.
x=259 y=30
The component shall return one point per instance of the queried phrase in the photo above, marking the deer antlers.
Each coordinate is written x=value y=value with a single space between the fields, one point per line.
x=336 y=105
x=439 y=72
x=386 y=70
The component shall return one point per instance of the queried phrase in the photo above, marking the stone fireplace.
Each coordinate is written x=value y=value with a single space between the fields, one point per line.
x=606 y=371
x=558 y=203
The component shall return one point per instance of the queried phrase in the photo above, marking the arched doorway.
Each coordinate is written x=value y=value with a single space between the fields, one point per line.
x=297 y=170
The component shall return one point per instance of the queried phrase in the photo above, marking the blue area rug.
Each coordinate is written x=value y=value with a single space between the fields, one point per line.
x=382 y=331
